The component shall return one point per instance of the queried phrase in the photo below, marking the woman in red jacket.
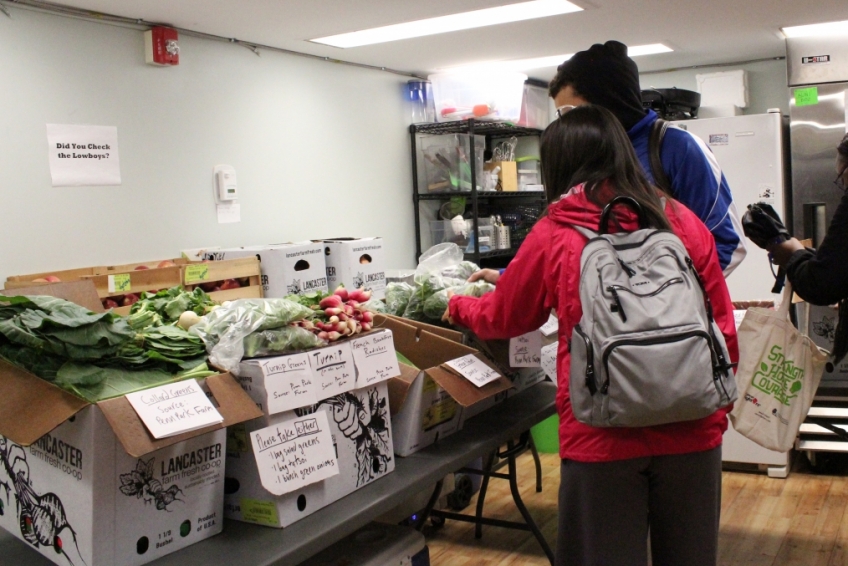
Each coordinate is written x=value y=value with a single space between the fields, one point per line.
x=617 y=484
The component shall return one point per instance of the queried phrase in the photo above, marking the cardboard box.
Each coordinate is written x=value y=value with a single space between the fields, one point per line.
x=428 y=403
x=355 y=263
x=287 y=269
x=364 y=453
x=86 y=484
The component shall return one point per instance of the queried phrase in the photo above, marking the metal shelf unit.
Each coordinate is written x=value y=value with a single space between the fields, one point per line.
x=471 y=127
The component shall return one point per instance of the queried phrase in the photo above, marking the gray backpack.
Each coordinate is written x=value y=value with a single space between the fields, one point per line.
x=646 y=350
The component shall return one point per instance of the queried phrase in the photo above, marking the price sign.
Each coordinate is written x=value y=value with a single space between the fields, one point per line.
x=473 y=369
x=119 y=283
x=551 y=326
x=294 y=453
x=549 y=360
x=196 y=272
x=375 y=358
x=174 y=408
x=525 y=351
x=333 y=369
x=289 y=383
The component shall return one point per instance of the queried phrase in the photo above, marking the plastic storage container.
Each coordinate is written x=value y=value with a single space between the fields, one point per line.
x=444 y=163
x=483 y=95
x=535 y=108
x=459 y=231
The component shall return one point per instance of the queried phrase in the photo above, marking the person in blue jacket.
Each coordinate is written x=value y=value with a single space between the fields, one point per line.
x=606 y=76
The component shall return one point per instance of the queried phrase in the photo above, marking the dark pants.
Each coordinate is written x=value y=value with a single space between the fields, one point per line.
x=607 y=509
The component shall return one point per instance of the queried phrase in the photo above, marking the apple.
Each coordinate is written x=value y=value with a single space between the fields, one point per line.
x=51 y=279
x=140 y=267
x=166 y=263
x=229 y=284
x=209 y=287
x=244 y=281
x=215 y=289
x=110 y=304
x=129 y=299
x=40 y=280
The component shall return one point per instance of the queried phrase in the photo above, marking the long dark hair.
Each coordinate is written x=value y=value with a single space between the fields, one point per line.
x=589 y=146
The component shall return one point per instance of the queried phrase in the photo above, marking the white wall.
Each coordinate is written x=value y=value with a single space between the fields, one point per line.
x=766 y=83
x=320 y=150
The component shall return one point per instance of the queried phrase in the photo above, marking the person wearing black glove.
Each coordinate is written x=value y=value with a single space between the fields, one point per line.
x=820 y=277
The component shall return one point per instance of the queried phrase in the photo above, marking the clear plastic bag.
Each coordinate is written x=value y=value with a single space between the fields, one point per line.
x=223 y=330
x=278 y=341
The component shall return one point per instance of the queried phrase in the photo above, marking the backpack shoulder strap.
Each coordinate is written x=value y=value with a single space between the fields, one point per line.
x=585 y=231
x=655 y=140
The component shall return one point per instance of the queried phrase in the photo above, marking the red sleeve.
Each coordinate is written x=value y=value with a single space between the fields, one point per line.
x=520 y=302
x=701 y=246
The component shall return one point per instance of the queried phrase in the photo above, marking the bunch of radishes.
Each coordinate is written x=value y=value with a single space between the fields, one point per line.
x=340 y=314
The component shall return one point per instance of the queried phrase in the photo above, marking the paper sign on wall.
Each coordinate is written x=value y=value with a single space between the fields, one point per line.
x=83 y=155
x=294 y=453
x=473 y=369
x=174 y=408
x=551 y=326
x=525 y=351
x=289 y=383
x=549 y=360
x=375 y=358
x=334 y=370
x=228 y=213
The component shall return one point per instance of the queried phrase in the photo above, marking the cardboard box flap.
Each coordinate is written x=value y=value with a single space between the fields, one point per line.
x=463 y=391
x=83 y=293
x=30 y=407
x=234 y=405
x=423 y=348
x=399 y=387
x=447 y=333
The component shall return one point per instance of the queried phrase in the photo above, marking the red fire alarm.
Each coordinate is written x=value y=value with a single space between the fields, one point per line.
x=161 y=46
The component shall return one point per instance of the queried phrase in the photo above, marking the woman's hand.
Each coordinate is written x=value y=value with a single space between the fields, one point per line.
x=447 y=317
x=488 y=275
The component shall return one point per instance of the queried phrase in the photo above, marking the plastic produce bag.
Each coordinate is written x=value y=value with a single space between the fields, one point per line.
x=277 y=341
x=224 y=329
x=778 y=374
x=439 y=257
x=436 y=305
x=397 y=297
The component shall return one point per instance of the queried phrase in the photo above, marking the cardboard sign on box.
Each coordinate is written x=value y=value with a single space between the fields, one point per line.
x=428 y=402
x=287 y=269
x=362 y=436
x=87 y=484
x=356 y=263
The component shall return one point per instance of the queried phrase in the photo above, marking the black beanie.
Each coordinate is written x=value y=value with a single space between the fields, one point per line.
x=606 y=76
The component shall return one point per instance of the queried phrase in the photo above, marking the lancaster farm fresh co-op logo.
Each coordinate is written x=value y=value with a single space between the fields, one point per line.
x=780 y=378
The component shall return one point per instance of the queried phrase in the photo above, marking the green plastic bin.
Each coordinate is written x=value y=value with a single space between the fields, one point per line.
x=546 y=435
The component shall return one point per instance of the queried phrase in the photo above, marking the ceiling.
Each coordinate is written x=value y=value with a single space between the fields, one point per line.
x=705 y=33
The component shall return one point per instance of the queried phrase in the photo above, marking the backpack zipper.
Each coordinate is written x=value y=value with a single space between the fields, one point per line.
x=658 y=340
x=616 y=304
x=652 y=293
x=590 y=361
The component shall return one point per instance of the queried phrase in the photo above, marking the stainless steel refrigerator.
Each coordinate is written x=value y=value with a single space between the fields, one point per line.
x=817 y=72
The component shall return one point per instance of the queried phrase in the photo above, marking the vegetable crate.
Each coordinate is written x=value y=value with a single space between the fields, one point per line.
x=225 y=280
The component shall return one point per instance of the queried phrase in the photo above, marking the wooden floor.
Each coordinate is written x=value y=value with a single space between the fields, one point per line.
x=765 y=521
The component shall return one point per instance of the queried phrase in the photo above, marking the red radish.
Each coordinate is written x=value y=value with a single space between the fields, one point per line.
x=352 y=325
x=341 y=292
x=307 y=324
x=333 y=311
x=323 y=335
x=360 y=295
x=367 y=316
x=354 y=304
x=333 y=336
x=343 y=317
x=334 y=319
x=366 y=326
x=348 y=310
x=333 y=301
x=229 y=284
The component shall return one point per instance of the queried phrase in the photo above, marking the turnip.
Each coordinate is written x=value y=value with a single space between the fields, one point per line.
x=188 y=319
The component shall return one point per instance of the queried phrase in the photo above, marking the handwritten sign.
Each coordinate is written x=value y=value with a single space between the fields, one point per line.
x=294 y=453
x=83 y=155
x=375 y=358
x=549 y=360
x=174 y=408
x=289 y=383
x=525 y=351
x=473 y=369
x=806 y=96
x=333 y=369
x=551 y=326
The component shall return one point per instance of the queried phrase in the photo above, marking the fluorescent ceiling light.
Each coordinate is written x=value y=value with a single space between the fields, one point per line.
x=828 y=28
x=454 y=22
x=555 y=60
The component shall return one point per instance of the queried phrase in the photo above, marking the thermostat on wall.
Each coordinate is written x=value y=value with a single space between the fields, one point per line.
x=225 y=183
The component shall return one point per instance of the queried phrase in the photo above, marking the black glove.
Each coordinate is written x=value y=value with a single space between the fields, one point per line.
x=763 y=226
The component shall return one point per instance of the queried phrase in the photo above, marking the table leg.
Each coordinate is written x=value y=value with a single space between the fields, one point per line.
x=516 y=496
x=481 y=497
